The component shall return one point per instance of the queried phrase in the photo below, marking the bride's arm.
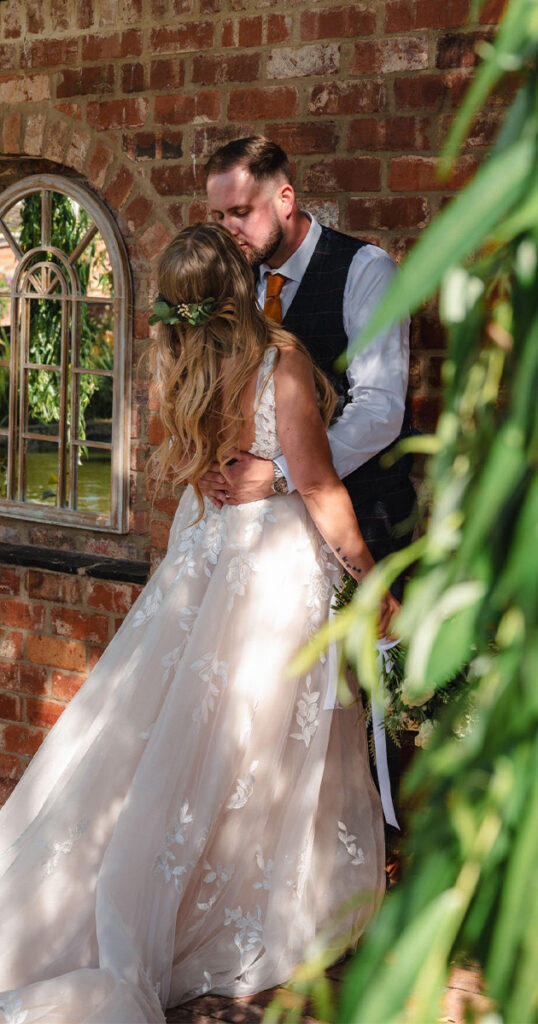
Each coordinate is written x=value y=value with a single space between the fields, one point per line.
x=303 y=437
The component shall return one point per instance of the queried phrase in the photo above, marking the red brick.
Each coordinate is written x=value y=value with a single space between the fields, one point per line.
x=387 y=214
x=159 y=533
x=68 y=84
x=11 y=644
x=348 y=97
x=156 y=430
x=358 y=174
x=72 y=110
x=57 y=652
x=66 y=684
x=250 y=31
x=459 y=50
x=154 y=240
x=24 y=88
x=338 y=22
x=52 y=586
x=425 y=412
x=210 y=6
x=7 y=56
x=33 y=679
x=430 y=91
x=132 y=78
x=197 y=35
x=100 y=159
x=108 y=12
x=263 y=103
x=132 y=11
x=141 y=325
x=43 y=712
x=48 y=53
x=35 y=21
x=85 y=9
x=94 y=654
x=78 y=150
x=57 y=142
x=427 y=333
x=166 y=74
x=33 y=134
x=10 y=707
x=198 y=211
x=170 y=146
x=113 y=597
x=120 y=188
x=128 y=113
x=304 y=61
x=183 y=109
x=182 y=7
x=208 y=137
x=278 y=28
x=22 y=614
x=173 y=180
x=9 y=581
x=389 y=55
x=229 y=33
x=9 y=675
x=392 y=133
x=12 y=27
x=435 y=368
x=120 y=44
x=10 y=133
x=98 y=79
x=296 y=138
x=20 y=739
x=403 y=15
x=215 y=69
x=61 y=13
x=137 y=213
x=417 y=173
x=10 y=767
x=492 y=11
x=77 y=625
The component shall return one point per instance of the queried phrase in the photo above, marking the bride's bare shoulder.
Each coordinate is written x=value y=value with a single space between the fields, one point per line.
x=294 y=368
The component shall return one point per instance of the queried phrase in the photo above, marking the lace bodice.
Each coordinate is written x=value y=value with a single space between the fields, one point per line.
x=266 y=444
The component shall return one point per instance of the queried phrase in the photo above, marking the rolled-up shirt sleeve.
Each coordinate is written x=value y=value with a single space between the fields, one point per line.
x=377 y=377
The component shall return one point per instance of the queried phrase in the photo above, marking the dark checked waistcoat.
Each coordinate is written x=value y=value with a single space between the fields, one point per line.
x=383 y=498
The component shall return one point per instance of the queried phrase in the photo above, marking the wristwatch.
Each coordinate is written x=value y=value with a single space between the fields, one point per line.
x=280 y=484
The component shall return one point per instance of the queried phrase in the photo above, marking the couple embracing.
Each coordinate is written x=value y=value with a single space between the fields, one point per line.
x=195 y=816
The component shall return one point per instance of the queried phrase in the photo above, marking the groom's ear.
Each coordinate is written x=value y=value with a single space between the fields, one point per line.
x=285 y=198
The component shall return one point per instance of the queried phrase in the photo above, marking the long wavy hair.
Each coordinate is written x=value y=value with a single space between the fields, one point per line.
x=200 y=408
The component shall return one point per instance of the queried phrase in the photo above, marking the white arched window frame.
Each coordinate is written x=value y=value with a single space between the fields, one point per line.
x=37 y=277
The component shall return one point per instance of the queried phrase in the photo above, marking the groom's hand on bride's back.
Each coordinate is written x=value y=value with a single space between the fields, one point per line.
x=250 y=479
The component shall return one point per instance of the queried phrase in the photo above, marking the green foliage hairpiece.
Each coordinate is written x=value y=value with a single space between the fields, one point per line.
x=193 y=313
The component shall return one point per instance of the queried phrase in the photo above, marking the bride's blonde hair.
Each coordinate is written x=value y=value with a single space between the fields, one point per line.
x=200 y=409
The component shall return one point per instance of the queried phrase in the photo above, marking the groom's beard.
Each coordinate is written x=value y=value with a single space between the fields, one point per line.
x=260 y=254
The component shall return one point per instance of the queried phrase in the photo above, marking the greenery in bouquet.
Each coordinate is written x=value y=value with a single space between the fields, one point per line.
x=403 y=713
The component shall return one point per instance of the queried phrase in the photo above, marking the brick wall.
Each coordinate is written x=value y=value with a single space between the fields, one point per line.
x=132 y=96
x=53 y=629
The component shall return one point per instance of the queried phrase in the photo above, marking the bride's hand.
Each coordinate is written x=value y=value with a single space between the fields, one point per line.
x=388 y=609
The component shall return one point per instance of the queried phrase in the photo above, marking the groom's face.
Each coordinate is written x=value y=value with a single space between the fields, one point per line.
x=252 y=211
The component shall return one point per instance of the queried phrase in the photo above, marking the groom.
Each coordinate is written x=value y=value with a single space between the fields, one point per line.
x=322 y=286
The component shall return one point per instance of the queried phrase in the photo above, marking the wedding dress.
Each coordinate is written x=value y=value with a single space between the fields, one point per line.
x=195 y=816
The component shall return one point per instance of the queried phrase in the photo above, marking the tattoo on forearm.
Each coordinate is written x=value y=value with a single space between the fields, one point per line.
x=347 y=563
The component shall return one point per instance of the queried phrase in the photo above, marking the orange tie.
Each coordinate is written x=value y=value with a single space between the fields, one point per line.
x=273 y=305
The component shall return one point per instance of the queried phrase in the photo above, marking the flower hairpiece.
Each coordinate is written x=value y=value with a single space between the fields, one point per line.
x=193 y=313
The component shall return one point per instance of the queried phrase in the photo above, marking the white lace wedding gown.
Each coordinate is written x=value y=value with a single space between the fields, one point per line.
x=195 y=816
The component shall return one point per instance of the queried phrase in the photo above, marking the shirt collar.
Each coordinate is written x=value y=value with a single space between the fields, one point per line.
x=296 y=264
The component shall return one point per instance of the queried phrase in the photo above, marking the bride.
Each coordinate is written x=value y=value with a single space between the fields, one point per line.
x=196 y=816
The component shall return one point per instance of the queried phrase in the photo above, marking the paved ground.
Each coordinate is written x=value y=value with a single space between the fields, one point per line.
x=463 y=1002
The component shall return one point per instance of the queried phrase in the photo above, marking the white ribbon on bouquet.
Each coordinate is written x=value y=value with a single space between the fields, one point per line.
x=378 y=723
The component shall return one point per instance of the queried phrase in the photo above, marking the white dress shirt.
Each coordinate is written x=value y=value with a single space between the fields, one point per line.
x=378 y=375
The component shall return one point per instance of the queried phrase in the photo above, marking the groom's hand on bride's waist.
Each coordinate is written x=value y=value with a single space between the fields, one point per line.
x=249 y=479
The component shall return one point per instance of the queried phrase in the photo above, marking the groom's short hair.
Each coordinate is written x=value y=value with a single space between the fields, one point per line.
x=261 y=157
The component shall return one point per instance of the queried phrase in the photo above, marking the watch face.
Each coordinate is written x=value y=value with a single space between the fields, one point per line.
x=280 y=486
